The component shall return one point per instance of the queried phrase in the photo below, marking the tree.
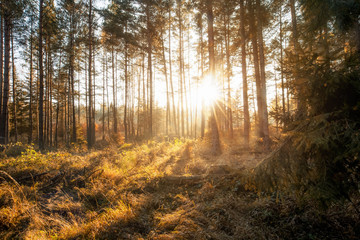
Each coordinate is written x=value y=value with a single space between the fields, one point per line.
x=41 y=78
x=254 y=41
x=10 y=10
x=264 y=118
x=1 y=60
x=14 y=86
x=6 y=17
x=214 y=127
x=328 y=65
x=244 y=75
x=91 y=120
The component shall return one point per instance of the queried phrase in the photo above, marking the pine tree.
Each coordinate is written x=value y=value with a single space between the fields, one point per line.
x=213 y=124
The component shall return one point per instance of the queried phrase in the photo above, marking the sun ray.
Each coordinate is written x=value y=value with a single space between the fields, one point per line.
x=209 y=91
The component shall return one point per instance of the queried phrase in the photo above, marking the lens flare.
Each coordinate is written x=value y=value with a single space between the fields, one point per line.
x=209 y=91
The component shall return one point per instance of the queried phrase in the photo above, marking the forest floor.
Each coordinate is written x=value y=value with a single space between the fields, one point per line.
x=158 y=190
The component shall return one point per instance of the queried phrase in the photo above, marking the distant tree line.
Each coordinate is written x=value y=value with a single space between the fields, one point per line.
x=89 y=73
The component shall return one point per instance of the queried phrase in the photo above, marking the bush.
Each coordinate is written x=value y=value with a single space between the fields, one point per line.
x=15 y=149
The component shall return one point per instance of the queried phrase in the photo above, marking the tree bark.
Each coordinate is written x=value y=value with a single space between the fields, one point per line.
x=171 y=80
x=202 y=123
x=14 y=85
x=114 y=91
x=149 y=51
x=58 y=104
x=167 y=85
x=72 y=63
x=30 y=85
x=107 y=94
x=281 y=65
x=126 y=95
x=1 y=61
x=257 y=69
x=90 y=140
x=228 y=75
x=301 y=106
x=144 y=91
x=189 y=80
x=181 y=71
x=175 y=124
x=103 y=97
x=265 y=121
x=244 y=76
x=214 y=128
x=41 y=79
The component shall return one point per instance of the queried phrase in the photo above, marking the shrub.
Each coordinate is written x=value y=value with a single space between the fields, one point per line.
x=15 y=149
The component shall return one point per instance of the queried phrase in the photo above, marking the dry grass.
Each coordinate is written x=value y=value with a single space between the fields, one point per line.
x=156 y=190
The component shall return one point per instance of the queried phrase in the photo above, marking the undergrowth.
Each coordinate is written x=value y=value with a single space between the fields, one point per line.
x=157 y=190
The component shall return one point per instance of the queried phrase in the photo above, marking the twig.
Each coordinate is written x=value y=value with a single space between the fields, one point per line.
x=10 y=177
x=54 y=180
x=14 y=181
x=92 y=173
x=34 y=176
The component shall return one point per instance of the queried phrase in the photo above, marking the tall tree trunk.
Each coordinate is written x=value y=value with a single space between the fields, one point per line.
x=171 y=80
x=189 y=81
x=144 y=92
x=186 y=113
x=139 y=102
x=30 y=85
x=214 y=127
x=47 y=93
x=281 y=65
x=222 y=116
x=50 y=103
x=41 y=79
x=79 y=98
x=58 y=104
x=301 y=106
x=56 y=123
x=93 y=92
x=14 y=85
x=149 y=50
x=1 y=60
x=257 y=69
x=114 y=91
x=132 y=81
x=244 y=76
x=72 y=65
x=65 y=131
x=126 y=127
x=46 y=100
x=69 y=105
x=103 y=98
x=86 y=92
x=228 y=75
x=147 y=101
x=265 y=122
x=181 y=71
x=167 y=85
x=107 y=95
x=276 y=104
x=202 y=124
x=90 y=140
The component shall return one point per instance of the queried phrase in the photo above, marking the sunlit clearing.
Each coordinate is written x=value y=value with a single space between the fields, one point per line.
x=209 y=91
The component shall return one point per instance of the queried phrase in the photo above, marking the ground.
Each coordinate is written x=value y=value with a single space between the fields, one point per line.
x=157 y=190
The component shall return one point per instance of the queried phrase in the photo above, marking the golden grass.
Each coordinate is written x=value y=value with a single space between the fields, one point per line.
x=124 y=193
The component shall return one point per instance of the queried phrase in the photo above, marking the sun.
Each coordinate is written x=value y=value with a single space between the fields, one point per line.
x=208 y=91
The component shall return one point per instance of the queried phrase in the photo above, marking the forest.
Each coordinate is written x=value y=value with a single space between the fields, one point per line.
x=179 y=119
